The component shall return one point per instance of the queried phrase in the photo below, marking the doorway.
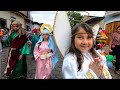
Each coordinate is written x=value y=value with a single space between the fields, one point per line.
x=111 y=28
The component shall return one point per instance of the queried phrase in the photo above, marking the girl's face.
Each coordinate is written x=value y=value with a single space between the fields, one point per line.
x=45 y=36
x=83 y=41
x=118 y=30
x=15 y=27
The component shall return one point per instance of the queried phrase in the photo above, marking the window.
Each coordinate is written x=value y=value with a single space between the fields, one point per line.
x=2 y=23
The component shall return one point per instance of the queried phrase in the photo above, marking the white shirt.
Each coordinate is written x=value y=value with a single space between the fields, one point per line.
x=70 y=66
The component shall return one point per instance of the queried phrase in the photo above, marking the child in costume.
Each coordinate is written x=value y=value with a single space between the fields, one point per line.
x=46 y=56
x=82 y=60
x=101 y=49
x=1 y=35
x=16 y=67
x=34 y=39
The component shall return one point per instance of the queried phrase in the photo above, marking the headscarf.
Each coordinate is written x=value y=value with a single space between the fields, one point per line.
x=51 y=45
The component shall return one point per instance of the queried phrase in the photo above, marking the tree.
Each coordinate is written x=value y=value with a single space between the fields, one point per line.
x=74 y=17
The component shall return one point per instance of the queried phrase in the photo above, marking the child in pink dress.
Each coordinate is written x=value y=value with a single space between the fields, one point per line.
x=43 y=55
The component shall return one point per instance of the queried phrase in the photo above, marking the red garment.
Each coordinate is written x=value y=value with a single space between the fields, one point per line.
x=35 y=30
x=17 y=43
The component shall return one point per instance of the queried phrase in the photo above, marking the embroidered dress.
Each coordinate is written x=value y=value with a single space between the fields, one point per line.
x=43 y=57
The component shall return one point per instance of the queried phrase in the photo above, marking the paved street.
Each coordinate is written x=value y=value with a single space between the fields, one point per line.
x=31 y=67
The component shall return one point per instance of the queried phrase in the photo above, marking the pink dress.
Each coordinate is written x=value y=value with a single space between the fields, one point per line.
x=43 y=58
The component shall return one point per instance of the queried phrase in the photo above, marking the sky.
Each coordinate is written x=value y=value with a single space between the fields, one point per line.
x=48 y=16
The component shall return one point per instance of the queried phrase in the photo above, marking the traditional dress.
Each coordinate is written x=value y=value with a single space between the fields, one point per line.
x=70 y=67
x=34 y=41
x=45 y=54
x=15 y=68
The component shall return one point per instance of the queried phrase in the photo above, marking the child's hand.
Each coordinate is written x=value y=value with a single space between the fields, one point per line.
x=97 y=67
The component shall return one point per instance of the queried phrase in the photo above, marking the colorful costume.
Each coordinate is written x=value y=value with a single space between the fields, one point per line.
x=15 y=68
x=46 y=55
x=103 y=37
x=34 y=40
x=1 y=34
x=70 y=67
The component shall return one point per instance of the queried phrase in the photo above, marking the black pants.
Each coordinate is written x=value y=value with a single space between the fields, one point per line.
x=116 y=52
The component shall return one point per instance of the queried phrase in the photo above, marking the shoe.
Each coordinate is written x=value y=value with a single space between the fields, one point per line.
x=117 y=72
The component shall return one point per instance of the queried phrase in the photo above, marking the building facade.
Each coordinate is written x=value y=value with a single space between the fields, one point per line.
x=111 y=22
x=94 y=22
x=7 y=17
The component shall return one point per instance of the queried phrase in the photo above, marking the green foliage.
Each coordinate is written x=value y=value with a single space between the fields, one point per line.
x=74 y=17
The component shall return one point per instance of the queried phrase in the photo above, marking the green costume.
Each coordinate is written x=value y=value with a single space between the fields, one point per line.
x=19 y=70
x=34 y=41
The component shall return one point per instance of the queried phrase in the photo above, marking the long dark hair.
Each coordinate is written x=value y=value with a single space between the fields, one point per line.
x=74 y=50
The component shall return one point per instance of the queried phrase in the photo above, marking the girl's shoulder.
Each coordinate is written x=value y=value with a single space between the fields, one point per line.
x=70 y=57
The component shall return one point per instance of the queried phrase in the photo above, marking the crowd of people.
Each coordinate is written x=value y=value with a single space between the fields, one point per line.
x=86 y=58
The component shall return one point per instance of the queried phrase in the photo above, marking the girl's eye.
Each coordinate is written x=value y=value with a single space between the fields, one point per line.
x=79 y=37
x=89 y=37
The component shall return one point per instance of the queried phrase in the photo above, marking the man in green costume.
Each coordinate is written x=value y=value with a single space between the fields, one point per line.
x=16 y=67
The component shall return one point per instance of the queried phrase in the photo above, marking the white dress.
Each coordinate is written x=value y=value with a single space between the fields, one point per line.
x=70 y=67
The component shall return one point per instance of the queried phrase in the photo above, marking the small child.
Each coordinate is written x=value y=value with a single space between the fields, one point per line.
x=82 y=60
x=1 y=34
x=101 y=49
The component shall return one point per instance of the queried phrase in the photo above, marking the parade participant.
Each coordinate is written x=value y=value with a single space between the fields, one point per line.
x=16 y=67
x=101 y=49
x=101 y=37
x=115 y=48
x=46 y=56
x=82 y=60
x=5 y=36
x=34 y=39
x=1 y=35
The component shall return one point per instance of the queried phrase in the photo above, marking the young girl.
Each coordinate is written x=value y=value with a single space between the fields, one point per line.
x=82 y=61
x=46 y=56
